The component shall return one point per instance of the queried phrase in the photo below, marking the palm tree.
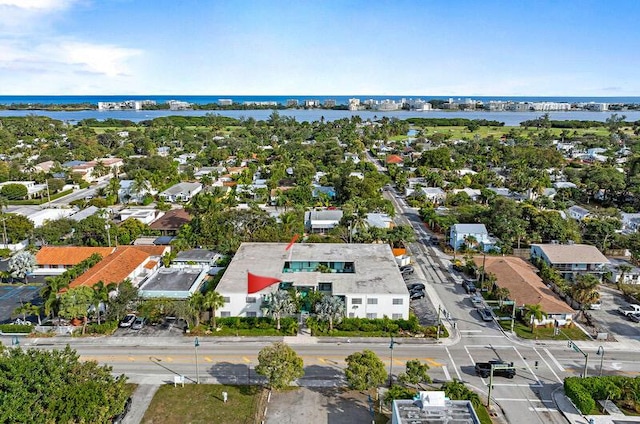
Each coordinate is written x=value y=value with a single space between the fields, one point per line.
x=100 y=170
x=213 y=301
x=49 y=293
x=624 y=269
x=331 y=309
x=278 y=304
x=534 y=313
x=101 y=295
x=140 y=185
x=196 y=305
x=27 y=309
x=470 y=241
x=502 y=293
x=585 y=290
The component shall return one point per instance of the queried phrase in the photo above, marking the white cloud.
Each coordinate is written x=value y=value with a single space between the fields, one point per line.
x=105 y=59
x=41 y=5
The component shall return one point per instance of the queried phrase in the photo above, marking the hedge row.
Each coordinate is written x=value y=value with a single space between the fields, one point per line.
x=288 y=325
x=364 y=325
x=585 y=391
x=13 y=328
x=581 y=398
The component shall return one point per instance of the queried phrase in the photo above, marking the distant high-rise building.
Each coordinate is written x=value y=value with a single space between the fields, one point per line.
x=328 y=103
x=225 y=102
x=292 y=103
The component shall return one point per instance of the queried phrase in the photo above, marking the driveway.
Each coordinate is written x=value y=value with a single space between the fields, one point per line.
x=608 y=319
x=315 y=405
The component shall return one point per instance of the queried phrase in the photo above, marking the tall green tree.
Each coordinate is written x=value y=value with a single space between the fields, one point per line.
x=330 y=309
x=101 y=293
x=365 y=370
x=415 y=373
x=75 y=303
x=279 y=304
x=534 y=313
x=54 y=386
x=280 y=364
x=213 y=301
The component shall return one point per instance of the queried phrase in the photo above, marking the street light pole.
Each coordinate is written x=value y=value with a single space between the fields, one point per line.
x=600 y=353
x=196 y=344
x=438 y=324
x=393 y=342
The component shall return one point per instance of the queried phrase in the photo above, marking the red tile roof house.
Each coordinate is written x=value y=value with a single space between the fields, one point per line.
x=395 y=159
x=526 y=287
x=126 y=262
x=54 y=260
x=117 y=264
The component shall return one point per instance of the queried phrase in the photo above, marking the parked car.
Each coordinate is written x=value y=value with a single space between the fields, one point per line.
x=406 y=270
x=138 y=323
x=630 y=309
x=417 y=295
x=634 y=317
x=469 y=286
x=477 y=300
x=120 y=417
x=595 y=306
x=415 y=286
x=127 y=320
x=486 y=314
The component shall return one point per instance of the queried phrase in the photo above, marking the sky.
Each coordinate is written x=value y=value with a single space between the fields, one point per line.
x=321 y=47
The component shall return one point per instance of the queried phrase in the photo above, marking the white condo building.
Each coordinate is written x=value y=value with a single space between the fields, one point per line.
x=365 y=276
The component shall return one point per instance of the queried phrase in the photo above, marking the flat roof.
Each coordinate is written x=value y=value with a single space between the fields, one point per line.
x=376 y=271
x=196 y=255
x=172 y=279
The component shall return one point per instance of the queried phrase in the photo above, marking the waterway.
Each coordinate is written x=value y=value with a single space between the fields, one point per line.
x=310 y=115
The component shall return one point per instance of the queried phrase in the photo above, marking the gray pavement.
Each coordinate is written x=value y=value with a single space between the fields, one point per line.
x=140 y=401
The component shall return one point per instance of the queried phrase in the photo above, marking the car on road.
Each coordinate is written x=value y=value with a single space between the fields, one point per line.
x=486 y=314
x=483 y=369
x=127 y=320
x=118 y=419
x=415 y=286
x=417 y=295
x=138 y=323
x=469 y=286
x=477 y=300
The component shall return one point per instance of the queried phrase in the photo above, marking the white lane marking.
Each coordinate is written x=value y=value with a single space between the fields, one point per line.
x=555 y=361
x=447 y=376
x=484 y=346
x=528 y=367
x=455 y=368
x=543 y=409
x=547 y=364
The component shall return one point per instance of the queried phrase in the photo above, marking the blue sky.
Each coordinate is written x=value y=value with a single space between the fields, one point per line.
x=329 y=47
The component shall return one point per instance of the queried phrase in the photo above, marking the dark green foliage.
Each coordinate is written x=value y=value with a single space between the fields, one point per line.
x=288 y=325
x=581 y=398
x=381 y=327
x=39 y=386
x=13 y=328
x=365 y=370
x=399 y=392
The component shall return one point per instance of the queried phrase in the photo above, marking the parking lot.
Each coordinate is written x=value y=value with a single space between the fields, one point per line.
x=169 y=327
x=12 y=296
x=608 y=319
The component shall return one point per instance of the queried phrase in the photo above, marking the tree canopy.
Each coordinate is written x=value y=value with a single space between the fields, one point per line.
x=280 y=364
x=41 y=386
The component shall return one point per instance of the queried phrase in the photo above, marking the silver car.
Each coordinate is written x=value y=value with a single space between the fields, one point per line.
x=138 y=323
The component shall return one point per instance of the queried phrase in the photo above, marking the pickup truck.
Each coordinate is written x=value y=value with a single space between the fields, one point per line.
x=483 y=369
x=628 y=310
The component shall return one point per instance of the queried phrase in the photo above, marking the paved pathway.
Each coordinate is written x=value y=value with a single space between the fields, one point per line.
x=140 y=402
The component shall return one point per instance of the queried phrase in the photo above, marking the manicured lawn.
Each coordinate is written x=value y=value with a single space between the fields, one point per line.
x=524 y=331
x=203 y=403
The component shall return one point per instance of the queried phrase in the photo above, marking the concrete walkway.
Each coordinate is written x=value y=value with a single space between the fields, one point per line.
x=141 y=399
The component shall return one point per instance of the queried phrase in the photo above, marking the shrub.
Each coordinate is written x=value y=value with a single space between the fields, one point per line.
x=579 y=395
x=14 y=328
x=105 y=328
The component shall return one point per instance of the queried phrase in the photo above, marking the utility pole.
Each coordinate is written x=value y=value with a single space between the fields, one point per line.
x=438 y=330
x=393 y=342
x=575 y=347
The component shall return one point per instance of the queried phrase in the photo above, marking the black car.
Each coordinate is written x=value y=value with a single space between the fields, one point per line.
x=417 y=295
x=469 y=286
x=118 y=418
x=406 y=270
x=415 y=286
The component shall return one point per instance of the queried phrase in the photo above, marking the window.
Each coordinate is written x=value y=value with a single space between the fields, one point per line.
x=227 y=299
x=372 y=316
x=396 y=316
x=352 y=315
x=398 y=301
x=253 y=300
x=225 y=314
x=372 y=301
x=252 y=314
x=356 y=301
x=326 y=287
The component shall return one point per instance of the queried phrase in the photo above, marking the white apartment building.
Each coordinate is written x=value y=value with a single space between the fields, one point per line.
x=365 y=276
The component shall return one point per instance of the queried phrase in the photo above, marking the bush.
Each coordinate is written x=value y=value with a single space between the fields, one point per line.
x=15 y=329
x=581 y=398
x=104 y=328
